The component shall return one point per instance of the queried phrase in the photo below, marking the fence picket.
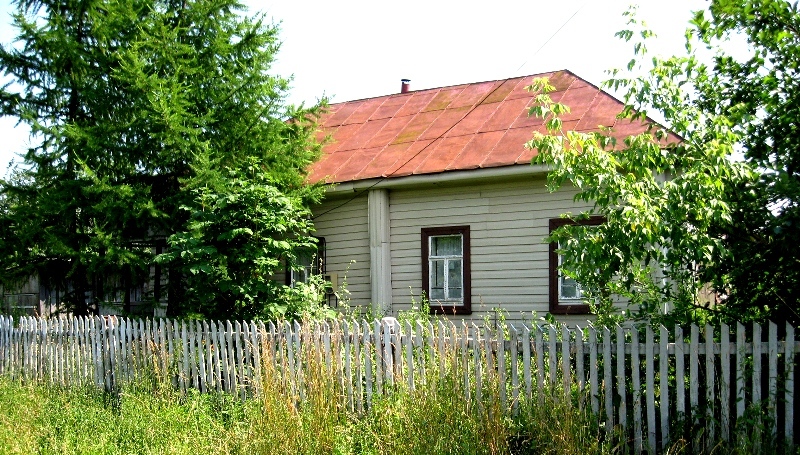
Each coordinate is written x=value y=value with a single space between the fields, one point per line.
x=464 y=349
x=208 y=354
x=348 y=369
x=756 y=394
x=636 y=397
x=501 y=365
x=514 y=351
x=219 y=370
x=357 y=342
x=594 y=370
x=233 y=384
x=740 y=353
x=476 y=345
x=379 y=357
x=724 y=382
x=526 y=360
x=202 y=357
x=694 y=379
x=422 y=358
x=565 y=363
x=621 y=386
x=663 y=389
x=367 y=361
x=409 y=350
x=608 y=396
x=710 y=400
x=772 y=358
x=650 y=385
x=552 y=358
x=579 y=361
x=788 y=392
x=387 y=330
x=240 y=373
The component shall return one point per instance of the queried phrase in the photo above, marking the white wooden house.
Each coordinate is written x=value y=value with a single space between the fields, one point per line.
x=433 y=192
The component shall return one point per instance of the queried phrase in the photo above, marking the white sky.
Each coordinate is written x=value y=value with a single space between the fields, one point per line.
x=353 y=49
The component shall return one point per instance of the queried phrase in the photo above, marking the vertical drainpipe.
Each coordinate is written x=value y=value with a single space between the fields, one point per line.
x=380 y=260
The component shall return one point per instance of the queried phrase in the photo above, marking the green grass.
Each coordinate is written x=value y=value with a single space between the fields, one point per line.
x=142 y=419
x=41 y=419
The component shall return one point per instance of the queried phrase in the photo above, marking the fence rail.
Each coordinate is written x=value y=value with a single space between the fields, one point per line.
x=636 y=379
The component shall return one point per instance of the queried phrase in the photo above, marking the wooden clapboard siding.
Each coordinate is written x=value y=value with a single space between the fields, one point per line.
x=508 y=224
x=633 y=377
x=346 y=233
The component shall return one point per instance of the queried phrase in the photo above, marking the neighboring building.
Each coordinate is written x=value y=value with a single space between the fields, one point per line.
x=435 y=192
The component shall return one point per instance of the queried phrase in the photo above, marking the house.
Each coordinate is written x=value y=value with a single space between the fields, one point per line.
x=433 y=192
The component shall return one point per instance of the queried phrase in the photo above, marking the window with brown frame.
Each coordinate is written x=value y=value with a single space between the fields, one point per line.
x=446 y=269
x=310 y=262
x=566 y=295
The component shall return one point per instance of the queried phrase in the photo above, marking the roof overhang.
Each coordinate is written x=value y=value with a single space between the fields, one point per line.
x=493 y=174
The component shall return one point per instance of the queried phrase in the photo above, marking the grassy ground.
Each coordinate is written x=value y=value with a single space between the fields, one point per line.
x=143 y=419
x=50 y=420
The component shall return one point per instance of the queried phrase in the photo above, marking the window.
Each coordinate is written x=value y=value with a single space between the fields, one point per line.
x=566 y=295
x=445 y=269
x=313 y=262
x=310 y=262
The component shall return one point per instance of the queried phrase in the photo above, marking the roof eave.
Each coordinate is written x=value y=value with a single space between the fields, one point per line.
x=421 y=180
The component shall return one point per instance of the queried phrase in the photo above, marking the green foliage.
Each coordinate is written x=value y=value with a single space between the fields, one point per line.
x=141 y=112
x=759 y=92
x=664 y=198
x=236 y=241
x=682 y=216
x=420 y=311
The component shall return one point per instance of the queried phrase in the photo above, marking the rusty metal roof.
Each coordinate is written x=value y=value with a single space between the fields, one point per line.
x=470 y=126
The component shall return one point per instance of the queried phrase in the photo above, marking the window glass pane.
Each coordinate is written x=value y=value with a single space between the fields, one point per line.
x=570 y=289
x=446 y=245
x=437 y=280
x=454 y=278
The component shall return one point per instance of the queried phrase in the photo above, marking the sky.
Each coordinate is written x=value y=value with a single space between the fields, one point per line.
x=354 y=49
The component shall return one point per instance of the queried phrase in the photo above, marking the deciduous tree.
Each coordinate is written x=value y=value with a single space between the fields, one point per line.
x=666 y=204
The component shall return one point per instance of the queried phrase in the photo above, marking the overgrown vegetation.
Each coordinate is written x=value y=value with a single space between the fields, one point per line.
x=430 y=420
x=691 y=233
x=157 y=127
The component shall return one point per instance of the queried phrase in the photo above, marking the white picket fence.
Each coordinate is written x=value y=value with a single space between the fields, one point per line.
x=636 y=379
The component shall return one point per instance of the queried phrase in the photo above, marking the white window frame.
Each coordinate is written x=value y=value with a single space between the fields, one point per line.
x=447 y=259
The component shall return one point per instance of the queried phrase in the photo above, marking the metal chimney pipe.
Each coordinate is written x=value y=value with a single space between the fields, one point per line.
x=405 y=85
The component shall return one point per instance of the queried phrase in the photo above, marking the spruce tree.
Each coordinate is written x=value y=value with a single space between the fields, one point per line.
x=138 y=108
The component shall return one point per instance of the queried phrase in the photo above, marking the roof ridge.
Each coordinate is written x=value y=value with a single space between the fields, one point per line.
x=411 y=92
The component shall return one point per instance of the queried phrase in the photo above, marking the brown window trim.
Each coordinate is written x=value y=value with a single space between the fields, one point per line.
x=466 y=305
x=556 y=307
